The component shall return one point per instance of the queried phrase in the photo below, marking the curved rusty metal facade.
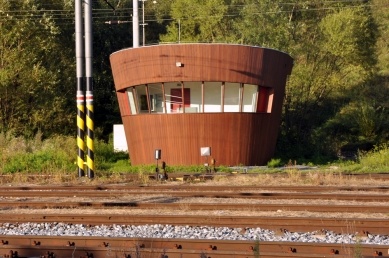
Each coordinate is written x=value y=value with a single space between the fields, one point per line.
x=235 y=138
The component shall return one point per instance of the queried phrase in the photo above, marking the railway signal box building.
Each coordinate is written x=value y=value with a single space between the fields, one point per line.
x=181 y=97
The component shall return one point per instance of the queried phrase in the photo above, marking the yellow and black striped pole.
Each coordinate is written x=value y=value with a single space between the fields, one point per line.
x=90 y=158
x=80 y=129
x=80 y=98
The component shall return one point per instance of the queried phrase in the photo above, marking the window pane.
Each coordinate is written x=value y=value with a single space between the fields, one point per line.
x=231 y=97
x=212 y=97
x=250 y=98
x=156 y=98
x=142 y=99
x=131 y=100
x=173 y=103
x=192 y=94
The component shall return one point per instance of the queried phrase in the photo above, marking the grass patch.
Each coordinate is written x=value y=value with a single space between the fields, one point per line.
x=375 y=160
x=54 y=160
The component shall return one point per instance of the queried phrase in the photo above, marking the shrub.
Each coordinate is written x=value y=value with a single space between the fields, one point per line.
x=274 y=163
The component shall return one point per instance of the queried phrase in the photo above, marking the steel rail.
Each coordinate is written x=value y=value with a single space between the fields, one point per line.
x=186 y=187
x=382 y=176
x=196 y=206
x=278 y=224
x=246 y=195
x=68 y=246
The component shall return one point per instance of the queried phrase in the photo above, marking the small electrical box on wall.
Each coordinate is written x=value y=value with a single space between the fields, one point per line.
x=157 y=154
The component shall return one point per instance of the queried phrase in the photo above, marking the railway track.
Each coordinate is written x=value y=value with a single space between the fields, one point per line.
x=199 y=188
x=195 y=206
x=44 y=246
x=38 y=246
x=202 y=194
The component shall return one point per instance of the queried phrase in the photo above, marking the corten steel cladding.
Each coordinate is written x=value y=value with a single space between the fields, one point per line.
x=235 y=138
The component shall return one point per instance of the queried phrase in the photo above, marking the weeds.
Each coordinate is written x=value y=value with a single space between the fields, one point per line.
x=274 y=163
x=256 y=248
x=143 y=177
x=358 y=249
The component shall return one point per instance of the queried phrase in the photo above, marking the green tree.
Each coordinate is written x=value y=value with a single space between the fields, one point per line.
x=330 y=62
x=199 y=21
x=30 y=66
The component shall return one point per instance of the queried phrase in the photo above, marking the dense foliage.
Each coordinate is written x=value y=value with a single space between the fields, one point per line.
x=336 y=97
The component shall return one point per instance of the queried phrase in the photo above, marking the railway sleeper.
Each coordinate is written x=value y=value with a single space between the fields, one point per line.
x=186 y=249
x=89 y=252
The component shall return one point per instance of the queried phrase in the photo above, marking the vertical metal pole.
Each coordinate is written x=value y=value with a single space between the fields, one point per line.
x=183 y=97
x=135 y=24
x=135 y=100
x=143 y=22
x=241 y=92
x=223 y=89
x=148 y=98
x=256 y=100
x=164 y=97
x=179 y=31
x=80 y=97
x=89 y=87
x=202 y=96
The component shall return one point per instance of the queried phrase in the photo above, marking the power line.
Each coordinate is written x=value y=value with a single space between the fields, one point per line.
x=107 y=13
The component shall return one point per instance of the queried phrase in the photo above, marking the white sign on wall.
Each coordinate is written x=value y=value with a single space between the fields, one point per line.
x=205 y=151
x=119 y=138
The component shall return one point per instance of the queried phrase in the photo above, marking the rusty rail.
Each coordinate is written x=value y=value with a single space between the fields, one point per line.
x=196 y=206
x=199 y=188
x=246 y=195
x=27 y=246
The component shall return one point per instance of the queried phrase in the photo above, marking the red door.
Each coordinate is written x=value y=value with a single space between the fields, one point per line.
x=176 y=99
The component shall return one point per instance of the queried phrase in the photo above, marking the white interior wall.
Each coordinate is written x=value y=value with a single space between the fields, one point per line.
x=212 y=97
x=249 y=98
x=231 y=97
x=195 y=95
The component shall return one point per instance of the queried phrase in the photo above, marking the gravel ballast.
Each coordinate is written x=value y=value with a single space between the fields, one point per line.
x=186 y=232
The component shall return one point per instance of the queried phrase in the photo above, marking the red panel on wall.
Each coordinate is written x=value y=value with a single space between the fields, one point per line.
x=263 y=97
x=176 y=98
x=123 y=103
